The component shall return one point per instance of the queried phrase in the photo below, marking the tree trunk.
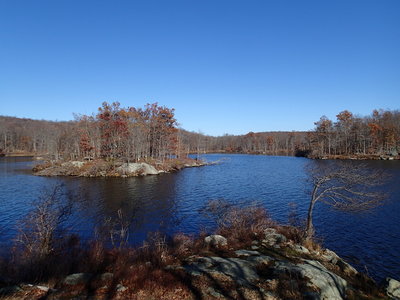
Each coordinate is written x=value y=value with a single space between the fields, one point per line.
x=309 y=233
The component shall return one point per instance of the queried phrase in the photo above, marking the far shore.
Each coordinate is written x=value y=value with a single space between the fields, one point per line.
x=305 y=154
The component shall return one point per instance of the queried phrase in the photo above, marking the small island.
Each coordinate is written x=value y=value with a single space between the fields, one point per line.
x=103 y=168
x=121 y=142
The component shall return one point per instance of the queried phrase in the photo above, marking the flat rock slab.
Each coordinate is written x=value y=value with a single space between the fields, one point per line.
x=77 y=278
x=331 y=286
x=242 y=271
x=246 y=253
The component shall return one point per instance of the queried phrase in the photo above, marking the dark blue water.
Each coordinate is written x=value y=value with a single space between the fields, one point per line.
x=171 y=203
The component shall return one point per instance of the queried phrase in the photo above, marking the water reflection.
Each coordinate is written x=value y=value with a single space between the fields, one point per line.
x=149 y=202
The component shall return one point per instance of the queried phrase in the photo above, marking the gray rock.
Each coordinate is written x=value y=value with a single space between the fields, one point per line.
x=346 y=268
x=260 y=259
x=216 y=240
x=76 y=164
x=273 y=238
x=137 y=168
x=148 y=169
x=333 y=258
x=246 y=253
x=77 y=278
x=393 y=288
x=242 y=271
x=330 y=256
x=268 y=295
x=300 y=249
x=43 y=288
x=239 y=270
x=331 y=286
x=120 y=288
x=214 y=293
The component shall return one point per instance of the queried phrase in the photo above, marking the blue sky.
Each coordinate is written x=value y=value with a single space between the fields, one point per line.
x=225 y=66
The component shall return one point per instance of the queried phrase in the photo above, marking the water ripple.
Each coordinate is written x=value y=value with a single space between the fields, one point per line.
x=171 y=203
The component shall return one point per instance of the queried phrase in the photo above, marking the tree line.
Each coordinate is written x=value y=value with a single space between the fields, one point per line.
x=113 y=133
x=377 y=134
x=152 y=132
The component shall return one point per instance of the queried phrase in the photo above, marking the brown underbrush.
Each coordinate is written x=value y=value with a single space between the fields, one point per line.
x=154 y=270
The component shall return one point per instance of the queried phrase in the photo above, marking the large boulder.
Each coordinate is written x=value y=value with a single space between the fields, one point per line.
x=149 y=170
x=273 y=238
x=333 y=258
x=330 y=256
x=137 y=169
x=330 y=285
x=216 y=240
x=393 y=288
x=75 y=164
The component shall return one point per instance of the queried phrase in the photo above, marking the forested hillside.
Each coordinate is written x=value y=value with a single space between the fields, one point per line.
x=152 y=132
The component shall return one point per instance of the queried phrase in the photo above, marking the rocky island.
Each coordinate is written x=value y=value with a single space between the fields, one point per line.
x=103 y=168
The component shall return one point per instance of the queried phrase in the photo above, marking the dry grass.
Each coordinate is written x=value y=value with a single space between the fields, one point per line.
x=142 y=270
x=240 y=225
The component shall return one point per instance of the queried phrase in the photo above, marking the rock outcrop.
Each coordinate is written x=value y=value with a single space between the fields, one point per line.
x=216 y=240
x=137 y=169
x=278 y=262
x=278 y=269
x=393 y=288
x=329 y=285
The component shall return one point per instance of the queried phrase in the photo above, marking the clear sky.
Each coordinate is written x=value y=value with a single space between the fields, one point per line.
x=226 y=66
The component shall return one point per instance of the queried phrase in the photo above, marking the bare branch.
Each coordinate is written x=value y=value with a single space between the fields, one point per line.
x=345 y=186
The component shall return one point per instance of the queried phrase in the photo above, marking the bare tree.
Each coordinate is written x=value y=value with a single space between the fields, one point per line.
x=118 y=229
x=344 y=185
x=40 y=229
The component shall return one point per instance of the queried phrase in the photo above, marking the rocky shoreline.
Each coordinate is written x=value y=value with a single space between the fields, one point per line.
x=102 y=168
x=356 y=157
x=273 y=267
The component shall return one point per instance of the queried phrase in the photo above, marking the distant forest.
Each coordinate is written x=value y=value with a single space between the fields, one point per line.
x=152 y=132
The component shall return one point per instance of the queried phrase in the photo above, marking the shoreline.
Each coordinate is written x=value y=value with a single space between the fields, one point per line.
x=293 y=154
x=305 y=155
x=355 y=157
x=271 y=262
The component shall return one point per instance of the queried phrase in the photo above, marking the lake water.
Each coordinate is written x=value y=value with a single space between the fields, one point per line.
x=171 y=203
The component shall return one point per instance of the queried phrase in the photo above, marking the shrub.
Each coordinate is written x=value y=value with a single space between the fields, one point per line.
x=41 y=236
x=239 y=224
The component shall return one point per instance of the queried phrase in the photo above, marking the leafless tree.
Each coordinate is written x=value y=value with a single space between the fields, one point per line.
x=344 y=185
x=118 y=229
x=39 y=230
